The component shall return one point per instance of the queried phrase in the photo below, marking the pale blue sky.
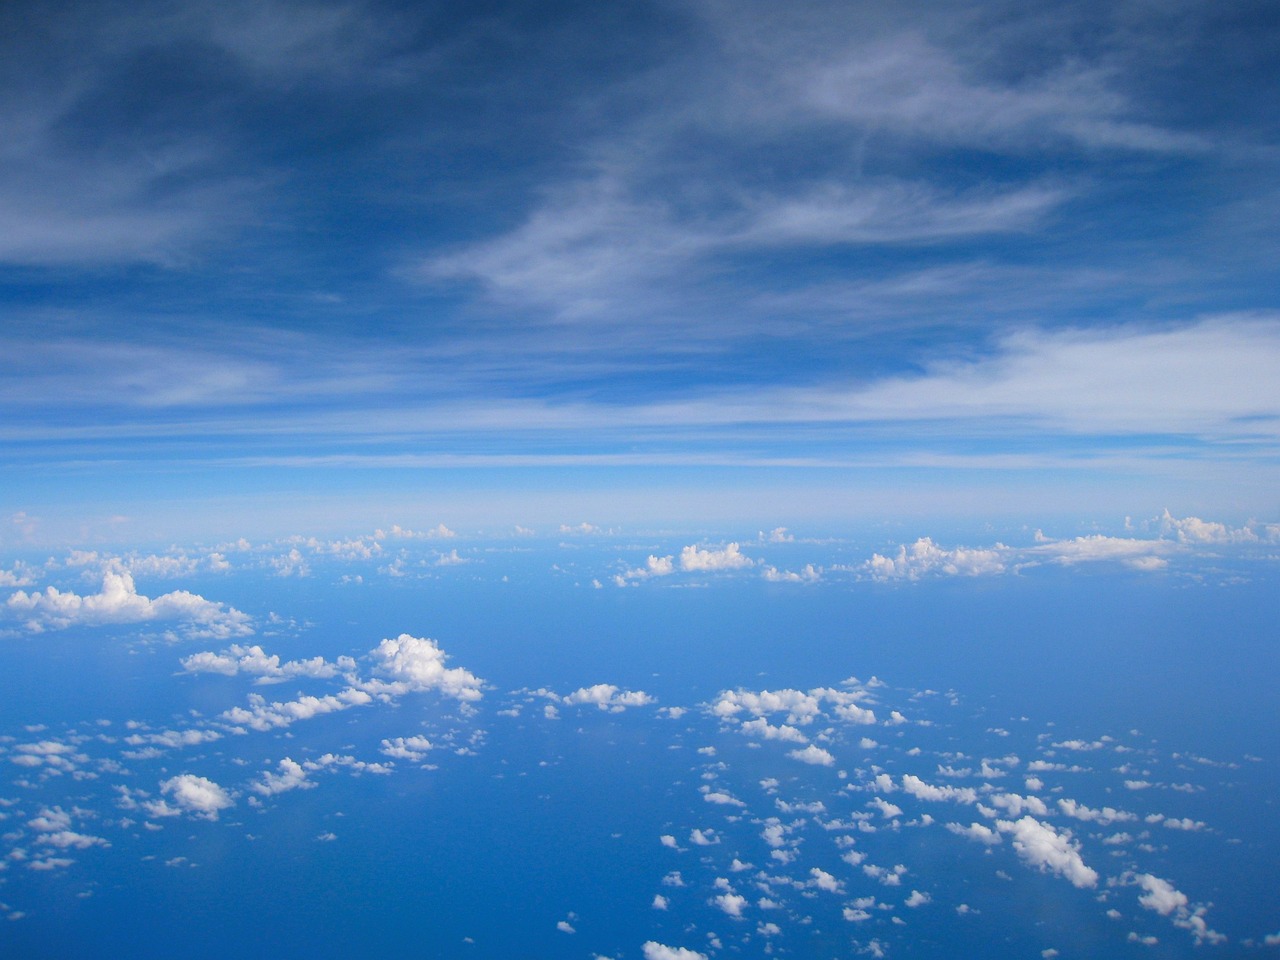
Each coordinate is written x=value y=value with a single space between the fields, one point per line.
x=323 y=264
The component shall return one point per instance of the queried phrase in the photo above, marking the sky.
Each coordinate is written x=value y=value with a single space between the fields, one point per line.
x=277 y=266
x=639 y=480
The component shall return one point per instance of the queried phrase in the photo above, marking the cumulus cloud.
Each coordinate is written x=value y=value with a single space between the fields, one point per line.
x=1102 y=817
x=406 y=748
x=926 y=791
x=925 y=557
x=289 y=775
x=268 y=668
x=699 y=559
x=1195 y=530
x=730 y=903
x=660 y=951
x=261 y=715
x=814 y=755
x=801 y=707
x=119 y=602
x=197 y=796
x=1165 y=899
x=976 y=832
x=1133 y=552
x=1043 y=847
x=415 y=664
x=606 y=696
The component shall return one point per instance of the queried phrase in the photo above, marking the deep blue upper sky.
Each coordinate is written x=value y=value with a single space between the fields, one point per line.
x=563 y=257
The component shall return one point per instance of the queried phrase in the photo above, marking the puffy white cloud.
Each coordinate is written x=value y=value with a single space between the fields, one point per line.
x=1165 y=899
x=730 y=903
x=926 y=791
x=406 y=748
x=1015 y=805
x=976 y=832
x=886 y=808
x=660 y=951
x=119 y=602
x=917 y=899
x=1097 y=547
x=824 y=881
x=70 y=840
x=263 y=716
x=1102 y=817
x=1195 y=530
x=925 y=557
x=18 y=576
x=415 y=664
x=808 y=574
x=801 y=707
x=173 y=739
x=697 y=559
x=606 y=696
x=268 y=668
x=290 y=776
x=814 y=755
x=1043 y=847
x=198 y=796
x=761 y=728
x=654 y=567
x=1160 y=896
x=721 y=798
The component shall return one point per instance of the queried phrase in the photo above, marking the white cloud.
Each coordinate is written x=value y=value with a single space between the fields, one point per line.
x=917 y=899
x=1142 y=554
x=730 y=903
x=925 y=557
x=722 y=799
x=925 y=791
x=1102 y=817
x=695 y=558
x=814 y=755
x=824 y=881
x=1015 y=805
x=197 y=796
x=263 y=716
x=808 y=574
x=406 y=748
x=761 y=728
x=606 y=696
x=1166 y=900
x=886 y=808
x=1195 y=530
x=1043 y=847
x=801 y=707
x=290 y=776
x=119 y=602
x=415 y=664
x=1160 y=896
x=268 y=668
x=660 y=951
x=976 y=832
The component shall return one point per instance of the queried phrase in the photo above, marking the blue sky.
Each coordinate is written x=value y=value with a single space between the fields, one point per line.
x=267 y=263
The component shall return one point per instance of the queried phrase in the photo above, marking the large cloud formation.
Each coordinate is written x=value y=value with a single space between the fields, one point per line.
x=119 y=602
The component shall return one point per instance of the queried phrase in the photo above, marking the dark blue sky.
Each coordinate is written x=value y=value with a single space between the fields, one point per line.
x=256 y=250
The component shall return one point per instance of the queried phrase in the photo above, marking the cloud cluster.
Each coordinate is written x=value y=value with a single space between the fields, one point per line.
x=193 y=795
x=118 y=602
x=267 y=668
